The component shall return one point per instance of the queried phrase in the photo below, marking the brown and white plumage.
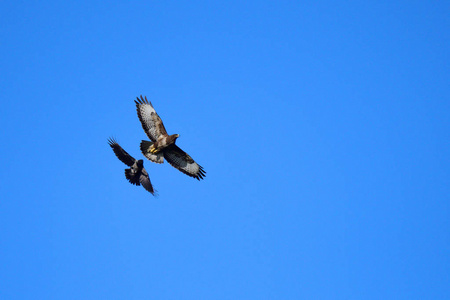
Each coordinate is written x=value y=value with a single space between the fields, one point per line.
x=151 y=122
x=163 y=145
x=136 y=174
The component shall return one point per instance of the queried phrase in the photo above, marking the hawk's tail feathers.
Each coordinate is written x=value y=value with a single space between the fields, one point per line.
x=156 y=158
x=132 y=178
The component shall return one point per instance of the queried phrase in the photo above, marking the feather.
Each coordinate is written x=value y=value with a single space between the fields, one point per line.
x=150 y=121
x=183 y=162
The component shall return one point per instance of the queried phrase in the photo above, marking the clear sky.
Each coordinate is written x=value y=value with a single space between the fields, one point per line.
x=323 y=128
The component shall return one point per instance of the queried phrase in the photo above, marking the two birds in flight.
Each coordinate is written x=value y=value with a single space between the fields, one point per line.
x=161 y=146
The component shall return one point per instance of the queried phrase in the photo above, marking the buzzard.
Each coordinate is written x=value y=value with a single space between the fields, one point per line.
x=163 y=145
x=136 y=174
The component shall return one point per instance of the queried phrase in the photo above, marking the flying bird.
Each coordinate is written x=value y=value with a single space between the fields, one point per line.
x=163 y=145
x=136 y=174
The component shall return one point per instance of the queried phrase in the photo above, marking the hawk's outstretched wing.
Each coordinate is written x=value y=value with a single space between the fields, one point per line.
x=120 y=153
x=151 y=122
x=183 y=162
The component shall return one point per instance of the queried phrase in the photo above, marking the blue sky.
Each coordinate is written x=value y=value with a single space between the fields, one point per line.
x=323 y=128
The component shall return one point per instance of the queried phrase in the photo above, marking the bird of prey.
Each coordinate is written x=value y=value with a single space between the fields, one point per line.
x=136 y=174
x=163 y=145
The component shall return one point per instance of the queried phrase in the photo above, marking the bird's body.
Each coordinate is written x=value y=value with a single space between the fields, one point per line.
x=136 y=174
x=163 y=145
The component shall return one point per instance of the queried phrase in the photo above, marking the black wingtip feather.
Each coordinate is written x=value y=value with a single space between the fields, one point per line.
x=201 y=173
x=112 y=141
x=142 y=100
